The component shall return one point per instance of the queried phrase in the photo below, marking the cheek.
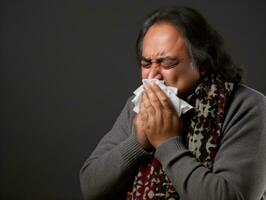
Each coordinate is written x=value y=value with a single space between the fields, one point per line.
x=144 y=73
x=181 y=79
x=170 y=77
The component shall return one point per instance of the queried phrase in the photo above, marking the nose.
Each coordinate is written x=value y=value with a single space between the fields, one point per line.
x=155 y=72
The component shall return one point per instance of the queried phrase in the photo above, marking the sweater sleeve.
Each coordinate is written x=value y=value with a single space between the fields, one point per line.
x=110 y=166
x=239 y=170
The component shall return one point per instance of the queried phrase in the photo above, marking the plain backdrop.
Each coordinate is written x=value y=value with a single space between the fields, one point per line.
x=66 y=71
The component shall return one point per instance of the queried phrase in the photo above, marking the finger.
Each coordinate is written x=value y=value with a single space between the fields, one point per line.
x=145 y=100
x=163 y=98
x=144 y=117
x=147 y=104
x=153 y=98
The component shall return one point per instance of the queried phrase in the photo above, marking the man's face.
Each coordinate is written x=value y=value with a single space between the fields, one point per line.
x=165 y=57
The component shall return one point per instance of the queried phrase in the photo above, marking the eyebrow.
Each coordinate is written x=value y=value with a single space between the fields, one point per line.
x=161 y=58
x=146 y=59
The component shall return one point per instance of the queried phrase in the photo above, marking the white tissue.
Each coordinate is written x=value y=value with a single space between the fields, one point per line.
x=180 y=106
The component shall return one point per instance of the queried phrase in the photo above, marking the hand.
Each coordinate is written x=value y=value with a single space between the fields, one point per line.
x=139 y=124
x=161 y=119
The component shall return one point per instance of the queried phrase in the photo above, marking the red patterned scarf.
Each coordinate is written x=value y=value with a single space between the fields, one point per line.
x=210 y=101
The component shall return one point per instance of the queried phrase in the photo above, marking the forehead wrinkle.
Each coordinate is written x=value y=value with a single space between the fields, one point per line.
x=153 y=50
x=155 y=54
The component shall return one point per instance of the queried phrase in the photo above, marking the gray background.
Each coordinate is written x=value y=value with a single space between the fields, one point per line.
x=66 y=70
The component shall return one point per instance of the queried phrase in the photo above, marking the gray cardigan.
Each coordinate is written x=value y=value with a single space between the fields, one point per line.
x=239 y=170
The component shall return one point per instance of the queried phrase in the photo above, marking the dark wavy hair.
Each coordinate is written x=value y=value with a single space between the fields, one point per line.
x=205 y=45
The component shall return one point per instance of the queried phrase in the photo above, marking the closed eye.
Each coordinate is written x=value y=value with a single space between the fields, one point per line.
x=169 y=62
x=165 y=62
x=145 y=63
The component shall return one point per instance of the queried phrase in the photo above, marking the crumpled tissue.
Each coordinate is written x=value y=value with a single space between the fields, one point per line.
x=180 y=106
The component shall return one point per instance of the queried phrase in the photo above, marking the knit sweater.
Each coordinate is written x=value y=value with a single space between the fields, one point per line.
x=239 y=169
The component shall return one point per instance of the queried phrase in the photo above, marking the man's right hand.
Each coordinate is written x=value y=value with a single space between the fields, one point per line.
x=139 y=124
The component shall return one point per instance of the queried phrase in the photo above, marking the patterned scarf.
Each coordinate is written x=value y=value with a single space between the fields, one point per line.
x=210 y=101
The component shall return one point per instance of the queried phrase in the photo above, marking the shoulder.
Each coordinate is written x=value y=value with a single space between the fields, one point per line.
x=245 y=97
x=245 y=102
x=128 y=108
x=127 y=115
x=246 y=94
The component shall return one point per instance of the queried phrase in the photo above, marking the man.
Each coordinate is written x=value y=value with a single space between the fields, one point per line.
x=216 y=152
